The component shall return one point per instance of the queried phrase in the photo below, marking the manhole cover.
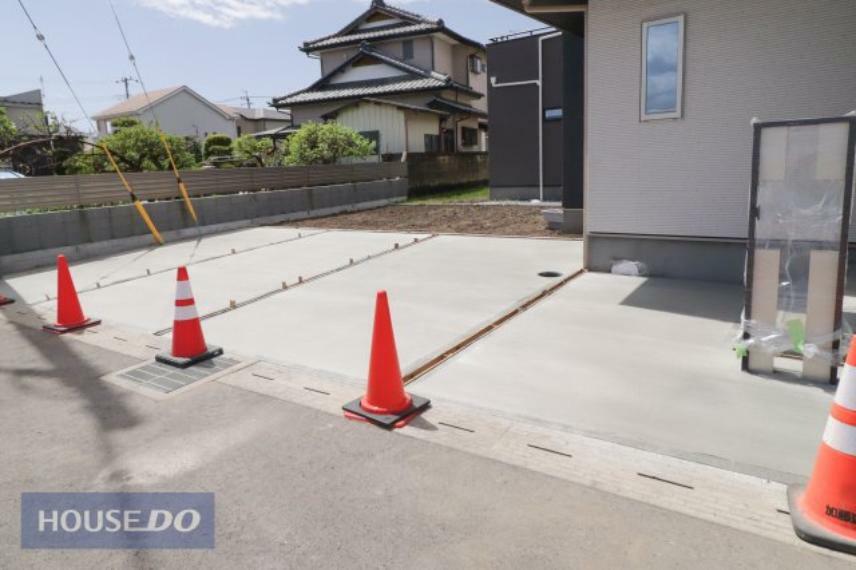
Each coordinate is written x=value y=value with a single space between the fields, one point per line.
x=166 y=379
x=549 y=274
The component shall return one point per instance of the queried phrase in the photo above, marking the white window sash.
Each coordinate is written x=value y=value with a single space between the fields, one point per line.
x=643 y=90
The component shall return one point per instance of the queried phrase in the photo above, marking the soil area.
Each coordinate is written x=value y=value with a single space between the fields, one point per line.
x=458 y=218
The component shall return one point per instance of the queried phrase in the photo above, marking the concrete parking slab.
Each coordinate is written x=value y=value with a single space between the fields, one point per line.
x=35 y=286
x=646 y=362
x=440 y=292
x=148 y=303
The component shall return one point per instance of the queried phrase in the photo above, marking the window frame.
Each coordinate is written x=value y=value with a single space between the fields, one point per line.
x=477 y=66
x=404 y=48
x=554 y=114
x=678 y=113
x=473 y=131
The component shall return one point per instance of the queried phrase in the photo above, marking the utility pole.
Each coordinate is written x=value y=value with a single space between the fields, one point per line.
x=246 y=98
x=126 y=81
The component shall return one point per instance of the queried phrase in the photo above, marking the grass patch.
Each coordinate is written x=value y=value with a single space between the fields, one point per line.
x=475 y=194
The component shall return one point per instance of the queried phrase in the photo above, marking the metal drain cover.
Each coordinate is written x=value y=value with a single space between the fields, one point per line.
x=167 y=379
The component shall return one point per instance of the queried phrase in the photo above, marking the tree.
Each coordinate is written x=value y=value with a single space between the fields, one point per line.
x=135 y=148
x=317 y=143
x=218 y=145
x=124 y=123
x=249 y=148
x=7 y=129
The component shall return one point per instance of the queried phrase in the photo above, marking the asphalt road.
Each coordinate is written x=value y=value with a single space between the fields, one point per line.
x=297 y=488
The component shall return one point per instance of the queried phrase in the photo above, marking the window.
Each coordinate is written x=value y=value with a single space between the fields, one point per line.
x=553 y=114
x=407 y=49
x=373 y=136
x=477 y=64
x=432 y=143
x=469 y=136
x=662 y=68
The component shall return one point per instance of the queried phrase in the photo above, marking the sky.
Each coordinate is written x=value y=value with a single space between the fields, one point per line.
x=219 y=48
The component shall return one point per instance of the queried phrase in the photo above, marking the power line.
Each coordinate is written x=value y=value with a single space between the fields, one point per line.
x=133 y=61
x=41 y=37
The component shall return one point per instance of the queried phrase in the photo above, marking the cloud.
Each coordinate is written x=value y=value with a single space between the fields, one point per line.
x=222 y=13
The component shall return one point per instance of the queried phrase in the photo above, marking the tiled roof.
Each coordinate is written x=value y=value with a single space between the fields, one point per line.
x=445 y=104
x=33 y=97
x=257 y=113
x=375 y=34
x=135 y=103
x=412 y=24
x=363 y=89
x=414 y=78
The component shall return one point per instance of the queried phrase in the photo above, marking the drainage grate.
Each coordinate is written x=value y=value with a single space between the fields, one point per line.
x=166 y=379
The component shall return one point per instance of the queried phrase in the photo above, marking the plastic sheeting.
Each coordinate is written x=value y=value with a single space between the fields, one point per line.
x=799 y=220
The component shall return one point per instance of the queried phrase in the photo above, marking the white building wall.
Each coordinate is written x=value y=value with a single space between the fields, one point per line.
x=375 y=117
x=366 y=72
x=184 y=115
x=771 y=59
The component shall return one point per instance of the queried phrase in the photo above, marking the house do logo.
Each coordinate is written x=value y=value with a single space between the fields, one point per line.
x=117 y=520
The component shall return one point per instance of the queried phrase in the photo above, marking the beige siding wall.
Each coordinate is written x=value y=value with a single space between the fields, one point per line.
x=419 y=125
x=422 y=53
x=373 y=117
x=772 y=59
x=312 y=113
x=443 y=61
x=332 y=59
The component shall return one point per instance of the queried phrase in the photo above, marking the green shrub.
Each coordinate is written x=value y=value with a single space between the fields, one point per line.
x=249 y=148
x=317 y=143
x=218 y=145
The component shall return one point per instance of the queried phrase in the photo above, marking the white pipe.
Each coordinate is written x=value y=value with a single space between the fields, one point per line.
x=540 y=83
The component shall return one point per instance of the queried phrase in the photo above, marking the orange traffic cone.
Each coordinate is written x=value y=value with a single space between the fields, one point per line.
x=824 y=512
x=385 y=403
x=6 y=300
x=69 y=315
x=188 y=342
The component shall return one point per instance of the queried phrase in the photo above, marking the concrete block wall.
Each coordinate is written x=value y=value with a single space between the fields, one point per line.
x=34 y=240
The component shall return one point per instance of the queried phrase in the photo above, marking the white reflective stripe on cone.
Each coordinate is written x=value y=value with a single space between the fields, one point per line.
x=182 y=291
x=186 y=313
x=840 y=436
x=845 y=395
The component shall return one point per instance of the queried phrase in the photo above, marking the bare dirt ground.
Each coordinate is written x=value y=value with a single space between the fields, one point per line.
x=453 y=218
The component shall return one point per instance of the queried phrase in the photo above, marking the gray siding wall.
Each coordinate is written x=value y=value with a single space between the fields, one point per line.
x=771 y=59
x=514 y=172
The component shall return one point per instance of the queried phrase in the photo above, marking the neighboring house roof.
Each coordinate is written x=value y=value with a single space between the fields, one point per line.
x=439 y=103
x=397 y=104
x=412 y=25
x=33 y=98
x=257 y=114
x=414 y=78
x=141 y=103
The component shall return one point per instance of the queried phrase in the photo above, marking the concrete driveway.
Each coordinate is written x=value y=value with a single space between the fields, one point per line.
x=646 y=362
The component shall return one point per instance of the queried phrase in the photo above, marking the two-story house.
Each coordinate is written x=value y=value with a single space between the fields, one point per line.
x=403 y=80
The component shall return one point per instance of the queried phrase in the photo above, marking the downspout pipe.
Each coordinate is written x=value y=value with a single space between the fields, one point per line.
x=540 y=84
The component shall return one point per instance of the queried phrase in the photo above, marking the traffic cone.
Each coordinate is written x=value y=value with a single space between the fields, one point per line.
x=69 y=315
x=824 y=512
x=6 y=300
x=188 y=342
x=385 y=403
